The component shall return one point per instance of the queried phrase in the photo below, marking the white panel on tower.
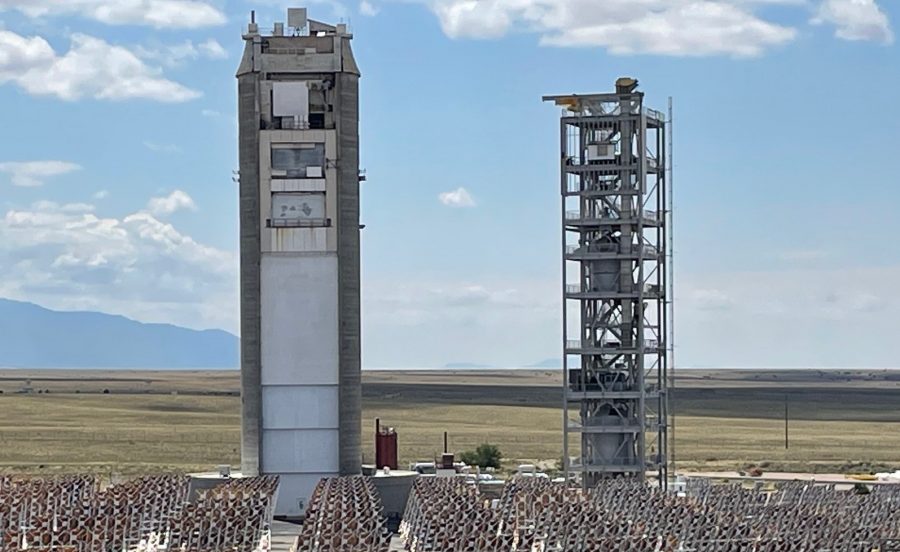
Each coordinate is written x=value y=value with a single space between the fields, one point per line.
x=300 y=240
x=300 y=450
x=300 y=407
x=299 y=319
x=298 y=207
x=296 y=18
x=298 y=185
x=290 y=99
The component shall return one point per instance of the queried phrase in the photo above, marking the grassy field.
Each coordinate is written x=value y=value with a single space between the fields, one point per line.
x=726 y=419
x=134 y=422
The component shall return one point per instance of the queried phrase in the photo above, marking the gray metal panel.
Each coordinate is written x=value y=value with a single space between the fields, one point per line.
x=299 y=319
x=300 y=450
x=300 y=407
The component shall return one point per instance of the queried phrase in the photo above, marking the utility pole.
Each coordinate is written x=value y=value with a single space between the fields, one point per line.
x=786 y=442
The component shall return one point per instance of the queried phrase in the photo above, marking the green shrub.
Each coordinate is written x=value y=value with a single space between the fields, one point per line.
x=485 y=456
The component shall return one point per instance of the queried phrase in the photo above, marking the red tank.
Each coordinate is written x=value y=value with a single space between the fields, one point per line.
x=385 y=447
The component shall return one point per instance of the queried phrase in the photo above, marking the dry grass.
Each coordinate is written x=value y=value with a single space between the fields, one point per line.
x=521 y=432
x=117 y=433
x=816 y=446
x=532 y=434
x=725 y=420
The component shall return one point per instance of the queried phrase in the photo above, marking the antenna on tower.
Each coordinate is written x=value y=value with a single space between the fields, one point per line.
x=252 y=28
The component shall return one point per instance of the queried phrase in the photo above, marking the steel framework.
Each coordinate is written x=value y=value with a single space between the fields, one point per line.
x=615 y=283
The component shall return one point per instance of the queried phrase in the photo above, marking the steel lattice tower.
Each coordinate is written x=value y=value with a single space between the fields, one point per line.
x=615 y=314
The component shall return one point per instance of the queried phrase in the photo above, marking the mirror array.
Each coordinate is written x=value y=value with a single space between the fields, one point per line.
x=75 y=514
x=344 y=515
x=618 y=515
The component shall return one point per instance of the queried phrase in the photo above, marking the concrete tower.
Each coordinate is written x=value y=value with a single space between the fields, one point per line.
x=614 y=219
x=299 y=209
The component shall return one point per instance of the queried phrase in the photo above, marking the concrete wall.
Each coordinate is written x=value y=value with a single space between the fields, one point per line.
x=348 y=253
x=394 y=492
x=294 y=491
x=251 y=391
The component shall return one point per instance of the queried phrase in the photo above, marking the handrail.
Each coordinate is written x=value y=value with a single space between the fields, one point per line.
x=575 y=214
x=650 y=289
x=579 y=344
x=611 y=249
x=654 y=114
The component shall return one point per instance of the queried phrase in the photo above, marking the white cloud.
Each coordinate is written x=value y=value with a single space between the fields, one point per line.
x=101 y=194
x=668 y=27
x=183 y=14
x=174 y=55
x=459 y=197
x=711 y=299
x=45 y=205
x=787 y=318
x=161 y=148
x=33 y=173
x=367 y=8
x=856 y=20
x=69 y=257
x=19 y=54
x=466 y=295
x=326 y=10
x=212 y=49
x=803 y=255
x=838 y=304
x=448 y=321
x=91 y=68
x=175 y=201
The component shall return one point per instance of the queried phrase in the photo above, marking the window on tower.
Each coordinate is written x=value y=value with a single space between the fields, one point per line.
x=298 y=161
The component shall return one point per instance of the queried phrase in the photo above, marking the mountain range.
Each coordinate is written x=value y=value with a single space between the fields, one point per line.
x=32 y=336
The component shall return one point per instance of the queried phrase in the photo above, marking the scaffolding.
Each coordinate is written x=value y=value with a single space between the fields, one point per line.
x=615 y=249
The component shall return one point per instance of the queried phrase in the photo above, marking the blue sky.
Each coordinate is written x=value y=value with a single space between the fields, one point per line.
x=119 y=142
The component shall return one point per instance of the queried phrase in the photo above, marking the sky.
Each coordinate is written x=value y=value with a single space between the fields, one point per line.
x=119 y=145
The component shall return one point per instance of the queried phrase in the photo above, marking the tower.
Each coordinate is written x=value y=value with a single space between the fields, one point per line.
x=615 y=313
x=299 y=237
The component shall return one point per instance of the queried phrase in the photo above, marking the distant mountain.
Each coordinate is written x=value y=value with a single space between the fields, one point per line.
x=34 y=337
x=547 y=363
x=555 y=363
x=465 y=365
